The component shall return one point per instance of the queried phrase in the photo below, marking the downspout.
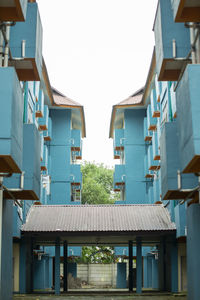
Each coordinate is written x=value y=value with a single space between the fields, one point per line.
x=6 y=51
x=1 y=49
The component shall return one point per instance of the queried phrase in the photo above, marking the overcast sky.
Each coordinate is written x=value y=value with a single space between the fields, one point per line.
x=97 y=53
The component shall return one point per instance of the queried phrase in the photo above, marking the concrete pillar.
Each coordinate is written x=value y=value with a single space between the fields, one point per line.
x=193 y=246
x=174 y=267
x=145 y=269
x=26 y=266
x=57 y=267
x=149 y=271
x=161 y=265
x=65 y=266
x=130 y=252
x=121 y=275
x=139 y=267
x=154 y=273
x=6 y=284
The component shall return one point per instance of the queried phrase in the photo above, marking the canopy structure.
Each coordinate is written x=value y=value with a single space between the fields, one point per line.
x=98 y=224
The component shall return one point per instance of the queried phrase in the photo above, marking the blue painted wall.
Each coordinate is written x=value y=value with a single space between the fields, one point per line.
x=165 y=31
x=11 y=118
x=134 y=156
x=188 y=111
x=31 y=32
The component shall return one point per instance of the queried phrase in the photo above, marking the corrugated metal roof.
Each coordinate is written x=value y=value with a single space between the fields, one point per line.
x=60 y=99
x=98 y=218
x=136 y=98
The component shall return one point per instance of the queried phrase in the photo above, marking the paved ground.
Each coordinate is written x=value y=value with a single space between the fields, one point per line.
x=101 y=297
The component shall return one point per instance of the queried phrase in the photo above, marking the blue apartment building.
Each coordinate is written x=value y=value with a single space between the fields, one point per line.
x=40 y=148
x=156 y=140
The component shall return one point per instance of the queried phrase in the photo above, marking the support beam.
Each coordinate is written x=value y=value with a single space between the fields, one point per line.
x=130 y=251
x=139 y=266
x=57 y=267
x=65 y=285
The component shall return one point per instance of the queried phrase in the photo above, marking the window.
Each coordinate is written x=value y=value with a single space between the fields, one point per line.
x=75 y=194
x=122 y=194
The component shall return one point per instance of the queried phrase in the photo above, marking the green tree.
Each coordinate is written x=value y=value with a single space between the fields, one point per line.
x=98 y=255
x=97 y=184
x=97 y=189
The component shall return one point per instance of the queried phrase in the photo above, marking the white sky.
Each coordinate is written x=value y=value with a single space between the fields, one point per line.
x=97 y=53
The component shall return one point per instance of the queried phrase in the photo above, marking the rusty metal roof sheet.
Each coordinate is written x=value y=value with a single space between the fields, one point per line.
x=98 y=218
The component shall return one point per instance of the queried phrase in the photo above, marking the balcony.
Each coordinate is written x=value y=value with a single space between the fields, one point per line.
x=29 y=67
x=75 y=175
x=153 y=165
x=48 y=133
x=31 y=167
x=40 y=105
x=13 y=10
x=44 y=162
x=180 y=220
x=147 y=133
x=119 y=177
x=172 y=43
x=188 y=110
x=170 y=163
x=155 y=110
x=11 y=122
x=147 y=173
x=158 y=88
x=151 y=122
x=43 y=122
x=75 y=140
x=186 y=10
x=41 y=146
x=173 y=101
x=156 y=148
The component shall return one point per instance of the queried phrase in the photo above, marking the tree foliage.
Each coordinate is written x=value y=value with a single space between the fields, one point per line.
x=97 y=184
x=98 y=255
x=97 y=189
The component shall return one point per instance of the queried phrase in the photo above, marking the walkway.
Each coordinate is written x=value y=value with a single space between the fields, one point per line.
x=102 y=297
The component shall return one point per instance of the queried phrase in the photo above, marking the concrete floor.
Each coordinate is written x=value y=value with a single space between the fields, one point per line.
x=101 y=297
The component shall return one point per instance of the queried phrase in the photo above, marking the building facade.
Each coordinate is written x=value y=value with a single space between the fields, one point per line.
x=165 y=115
x=40 y=148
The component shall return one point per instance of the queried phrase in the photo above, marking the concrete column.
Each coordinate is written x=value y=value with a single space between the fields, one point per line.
x=121 y=275
x=193 y=246
x=6 y=288
x=154 y=273
x=145 y=276
x=161 y=265
x=149 y=271
x=57 y=267
x=26 y=266
x=130 y=252
x=139 y=267
x=65 y=266
x=174 y=267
